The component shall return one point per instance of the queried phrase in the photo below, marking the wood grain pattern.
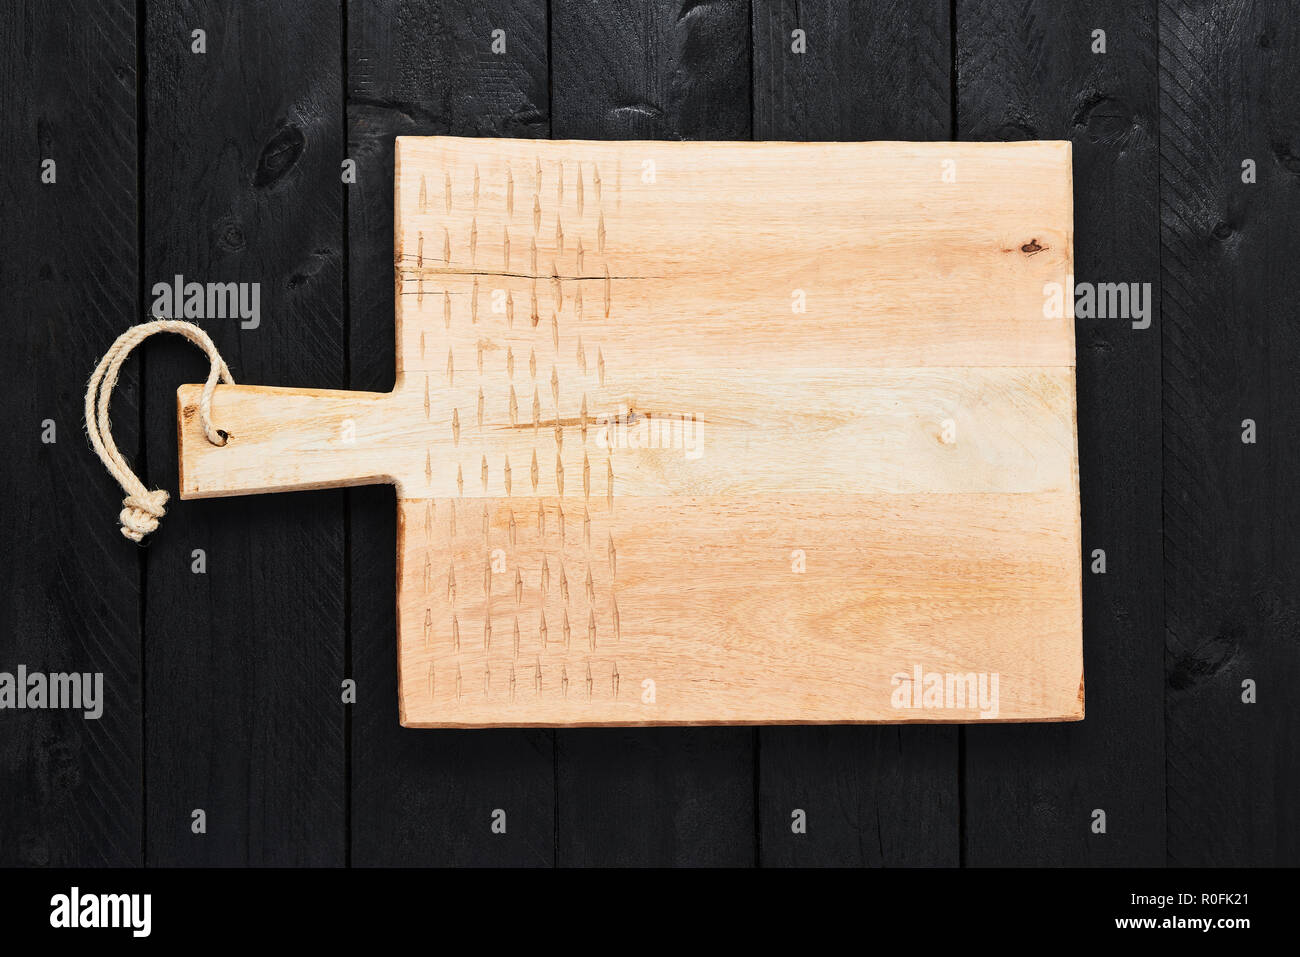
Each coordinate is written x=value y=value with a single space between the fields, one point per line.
x=879 y=795
x=876 y=433
x=574 y=640
x=1031 y=791
x=246 y=195
x=71 y=789
x=661 y=70
x=557 y=420
x=417 y=66
x=1232 y=558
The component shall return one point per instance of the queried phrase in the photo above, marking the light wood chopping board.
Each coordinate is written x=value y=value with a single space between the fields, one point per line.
x=712 y=433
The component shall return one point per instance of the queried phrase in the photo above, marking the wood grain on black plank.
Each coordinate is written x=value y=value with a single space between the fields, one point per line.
x=659 y=70
x=418 y=796
x=70 y=790
x=662 y=69
x=874 y=70
x=1028 y=71
x=243 y=663
x=1229 y=72
x=869 y=795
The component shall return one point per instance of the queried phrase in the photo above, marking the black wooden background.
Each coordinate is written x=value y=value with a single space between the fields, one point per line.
x=224 y=688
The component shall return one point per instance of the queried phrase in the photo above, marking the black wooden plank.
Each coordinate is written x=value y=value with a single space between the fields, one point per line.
x=243 y=664
x=870 y=70
x=420 y=796
x=70 y=789
x=1228 y=78
x=659 y=70
x=869 y=795
x=1028 y=71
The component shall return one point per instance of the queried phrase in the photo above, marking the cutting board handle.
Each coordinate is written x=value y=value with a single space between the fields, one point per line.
x=280 y=440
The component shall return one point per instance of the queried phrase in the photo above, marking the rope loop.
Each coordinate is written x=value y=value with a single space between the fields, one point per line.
x=142 y=509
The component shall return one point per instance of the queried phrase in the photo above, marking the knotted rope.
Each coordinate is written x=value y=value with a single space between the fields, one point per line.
x=142 y=508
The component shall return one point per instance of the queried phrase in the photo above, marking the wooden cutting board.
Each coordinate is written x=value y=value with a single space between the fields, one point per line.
x=712 y=433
